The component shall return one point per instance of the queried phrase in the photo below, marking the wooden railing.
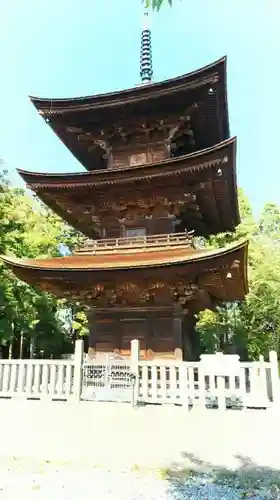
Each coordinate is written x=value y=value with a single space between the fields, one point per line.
x=136 y=243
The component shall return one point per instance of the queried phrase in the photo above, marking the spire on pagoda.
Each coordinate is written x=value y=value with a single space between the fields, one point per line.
x=146 y=63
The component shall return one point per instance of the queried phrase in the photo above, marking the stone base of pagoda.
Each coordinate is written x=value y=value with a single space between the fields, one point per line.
x=163 y=332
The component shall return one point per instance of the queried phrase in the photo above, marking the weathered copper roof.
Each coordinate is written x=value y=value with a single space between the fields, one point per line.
x=209 y=267
x=211 y=173
x=122 y=260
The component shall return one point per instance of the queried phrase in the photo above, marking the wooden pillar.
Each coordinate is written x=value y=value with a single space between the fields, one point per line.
x=150 y=334
x=122 y=230
x=92 y=332
x=149 y=224
x=178 y=344
x=118 y=333
x=191 y=339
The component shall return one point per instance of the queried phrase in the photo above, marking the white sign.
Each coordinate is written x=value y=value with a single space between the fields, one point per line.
x=220 y=364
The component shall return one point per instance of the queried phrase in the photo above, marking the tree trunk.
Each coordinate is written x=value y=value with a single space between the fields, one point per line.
x=11 y=342
x=21 y=345
x=31 y=347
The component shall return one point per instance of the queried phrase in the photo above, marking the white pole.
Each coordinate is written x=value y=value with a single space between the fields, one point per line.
x=78 y=370
x=275 y=388
x=134 y=360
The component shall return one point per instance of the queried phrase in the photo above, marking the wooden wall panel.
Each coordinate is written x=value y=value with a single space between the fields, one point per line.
x=139 y=155
x=155 y=331
x=159 y=226
x=107 y=338
x=131 y=330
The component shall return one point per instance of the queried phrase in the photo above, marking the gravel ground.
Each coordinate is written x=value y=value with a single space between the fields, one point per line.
x=68 y=482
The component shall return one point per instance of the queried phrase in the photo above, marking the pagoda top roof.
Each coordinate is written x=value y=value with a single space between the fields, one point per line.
x=205 y=75
x=96 y=128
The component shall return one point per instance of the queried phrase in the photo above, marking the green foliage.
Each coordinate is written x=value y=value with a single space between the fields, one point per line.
x=29 y=230
x=253 y=327
x=80 y=323
x=156 y=4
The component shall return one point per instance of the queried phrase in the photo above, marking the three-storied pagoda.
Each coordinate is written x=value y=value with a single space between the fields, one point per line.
x=160 y=170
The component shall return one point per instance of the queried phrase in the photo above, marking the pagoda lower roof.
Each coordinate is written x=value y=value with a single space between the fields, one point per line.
x=68 y=276
x=210 y=173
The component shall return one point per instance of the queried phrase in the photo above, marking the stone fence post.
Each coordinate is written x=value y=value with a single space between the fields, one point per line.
x=134 y=360
x=78 y=370
x=275 y=386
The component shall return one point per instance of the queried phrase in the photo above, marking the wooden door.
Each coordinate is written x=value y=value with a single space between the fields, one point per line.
x=161 y=341
x=107 y=335
x=133 y=329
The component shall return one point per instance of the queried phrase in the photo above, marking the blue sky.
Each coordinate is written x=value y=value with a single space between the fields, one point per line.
x=64 y=48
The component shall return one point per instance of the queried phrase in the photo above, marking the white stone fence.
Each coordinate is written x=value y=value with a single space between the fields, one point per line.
x=215 y=381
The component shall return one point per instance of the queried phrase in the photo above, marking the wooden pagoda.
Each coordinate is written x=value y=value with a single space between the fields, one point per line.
x=160 y=172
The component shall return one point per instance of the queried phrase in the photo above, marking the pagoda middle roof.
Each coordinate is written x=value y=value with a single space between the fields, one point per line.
x=71 y=196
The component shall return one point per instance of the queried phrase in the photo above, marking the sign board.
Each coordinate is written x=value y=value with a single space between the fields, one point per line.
x=220 y=364
x=108 y=394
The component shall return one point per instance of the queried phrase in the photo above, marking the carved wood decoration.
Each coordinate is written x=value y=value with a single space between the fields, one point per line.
x=139 y=141
x=127 y=294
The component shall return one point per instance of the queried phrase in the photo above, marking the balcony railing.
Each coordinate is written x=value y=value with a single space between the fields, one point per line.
x=136 y=243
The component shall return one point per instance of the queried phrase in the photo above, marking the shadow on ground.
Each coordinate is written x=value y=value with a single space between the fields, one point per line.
x=248 y=480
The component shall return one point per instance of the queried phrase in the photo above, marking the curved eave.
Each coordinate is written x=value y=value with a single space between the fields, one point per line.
x=60 y=106
x=161 y=258
x=65 y=275
x=54 y=189
x=61 y=180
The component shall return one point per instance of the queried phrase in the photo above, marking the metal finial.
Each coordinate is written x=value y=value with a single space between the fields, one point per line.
x=146 y=63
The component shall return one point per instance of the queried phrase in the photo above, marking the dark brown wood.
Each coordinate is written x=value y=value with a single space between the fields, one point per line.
x=191 y=339
x=92 y=337
x=198 y=190
x=163 y=333
x=96 y=128
x=154 y=328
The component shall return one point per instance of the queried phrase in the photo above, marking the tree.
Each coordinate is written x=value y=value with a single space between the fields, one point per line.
x=156 y=4
x=29 y=319
x=253 y=327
